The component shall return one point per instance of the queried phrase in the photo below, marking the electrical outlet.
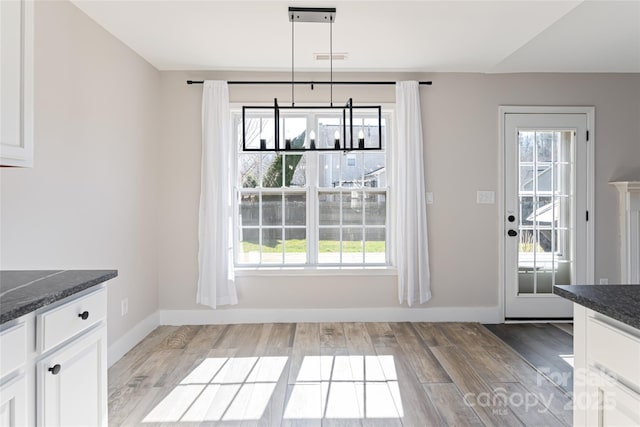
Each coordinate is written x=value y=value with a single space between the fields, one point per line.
x=604 y=281
x=124 y=305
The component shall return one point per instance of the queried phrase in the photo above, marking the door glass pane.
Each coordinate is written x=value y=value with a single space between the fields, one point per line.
x=544 y=245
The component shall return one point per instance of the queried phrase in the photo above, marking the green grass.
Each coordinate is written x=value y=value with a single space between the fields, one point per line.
x=326 y=246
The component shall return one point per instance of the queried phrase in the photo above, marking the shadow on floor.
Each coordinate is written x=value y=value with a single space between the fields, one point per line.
x=547 y=347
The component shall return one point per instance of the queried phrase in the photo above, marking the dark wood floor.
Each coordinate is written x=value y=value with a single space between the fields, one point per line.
x=548 y=347
x=331 y=374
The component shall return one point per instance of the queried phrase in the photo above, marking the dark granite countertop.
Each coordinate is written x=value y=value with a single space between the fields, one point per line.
x=620 y=302
x=22 y=292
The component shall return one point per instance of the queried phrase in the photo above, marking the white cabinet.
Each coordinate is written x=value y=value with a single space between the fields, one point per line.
x=606 y=371
x=53 y=364
x=13 y=402
x=16 y=83
x=72 y=383
x=13 y=392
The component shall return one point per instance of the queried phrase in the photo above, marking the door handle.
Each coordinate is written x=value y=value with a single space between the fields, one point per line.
x=512 y=233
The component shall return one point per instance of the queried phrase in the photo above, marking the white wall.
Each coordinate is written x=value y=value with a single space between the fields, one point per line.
x=90 y=200
x=460 y=120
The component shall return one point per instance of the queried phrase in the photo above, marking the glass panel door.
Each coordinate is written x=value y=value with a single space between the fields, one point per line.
x=544 y=220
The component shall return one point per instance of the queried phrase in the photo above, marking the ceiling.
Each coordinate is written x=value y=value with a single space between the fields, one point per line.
x=415 y=36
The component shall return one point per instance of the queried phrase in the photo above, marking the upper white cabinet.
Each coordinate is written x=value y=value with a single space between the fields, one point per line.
x=16 y=83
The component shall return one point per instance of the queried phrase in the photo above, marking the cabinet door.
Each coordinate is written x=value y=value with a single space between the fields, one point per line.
x=72 y=383
x=16 y=83
x=611 y=403
x=13 y=403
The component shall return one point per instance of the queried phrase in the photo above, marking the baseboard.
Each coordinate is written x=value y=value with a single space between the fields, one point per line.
x=131 y=338
x=225 y=316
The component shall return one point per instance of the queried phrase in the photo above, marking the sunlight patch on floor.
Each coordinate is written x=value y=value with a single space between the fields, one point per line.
x=326 y=387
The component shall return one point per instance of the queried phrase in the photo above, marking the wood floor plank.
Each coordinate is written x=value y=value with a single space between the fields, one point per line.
x=410 y=398
x=488 y=367
x=558 y=401
x=306 y=342
x=205 y=338
x=526 y=405
x=423 y=362
x=357 y=339
x=477 y=392
x=432 y=334
x=332 y=335
x=282 y=335
x=381 y=334
x=243 y=337
x=566 y=327
x=119 y=373
x=451 y=405
x=179 y=338
x=542 y=345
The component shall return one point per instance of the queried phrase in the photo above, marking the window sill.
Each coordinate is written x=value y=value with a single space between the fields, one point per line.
x=316 y=271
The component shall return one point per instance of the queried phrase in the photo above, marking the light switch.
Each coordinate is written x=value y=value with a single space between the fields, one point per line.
x=486 y=197
x=428 y=196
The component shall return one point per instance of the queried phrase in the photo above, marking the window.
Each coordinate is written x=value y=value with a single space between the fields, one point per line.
x=323 y=208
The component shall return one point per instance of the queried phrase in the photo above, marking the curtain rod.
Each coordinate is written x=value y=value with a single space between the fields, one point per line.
x=275 y=82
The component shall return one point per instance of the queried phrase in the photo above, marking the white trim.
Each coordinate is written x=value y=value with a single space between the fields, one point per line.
x=131 y=338
x=316 y=271
x=589 y=111
x=235 y=315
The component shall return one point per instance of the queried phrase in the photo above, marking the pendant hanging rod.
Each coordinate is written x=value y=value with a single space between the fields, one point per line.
x=307 y=82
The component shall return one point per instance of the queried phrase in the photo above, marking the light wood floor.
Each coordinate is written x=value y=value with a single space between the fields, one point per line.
x=331 y=374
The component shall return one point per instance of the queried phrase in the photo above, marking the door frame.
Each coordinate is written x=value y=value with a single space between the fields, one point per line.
x=503 y=110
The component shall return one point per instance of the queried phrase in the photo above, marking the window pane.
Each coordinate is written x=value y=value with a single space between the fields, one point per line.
x=259 y=126
x=544 y=141
x=293 y=129
x=375 y=172
x=249 y=247
x=272 y=246
x=327 y=127
x=295 y=209
x=526 y=178
x=271 y=209
x=295 y=246
x=526 y=141
x=352 y=169
x=329 y=246
x=272 y=167
x=375 y=208
x=329 y=207
x=352 y=245
x=352 y=207
x=249 y=170
x=295 y=167
x=329 y=169
x=249 y=209
x=375 y=246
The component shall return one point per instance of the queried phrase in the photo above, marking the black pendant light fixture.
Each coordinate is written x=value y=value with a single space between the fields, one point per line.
x=343 y=139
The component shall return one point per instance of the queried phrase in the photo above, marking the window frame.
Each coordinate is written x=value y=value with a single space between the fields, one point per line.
x=312 y=191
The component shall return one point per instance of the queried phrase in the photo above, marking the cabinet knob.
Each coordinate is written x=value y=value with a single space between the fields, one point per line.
x=55 y=369
x=512 y=233
x=84 y=315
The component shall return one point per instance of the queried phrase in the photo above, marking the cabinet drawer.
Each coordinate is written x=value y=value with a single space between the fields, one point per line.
x=59 y=324
x=13 y=349
x=617 y=351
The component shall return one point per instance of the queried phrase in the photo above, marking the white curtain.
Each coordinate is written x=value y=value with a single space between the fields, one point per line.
x=216 y=280
x=410 y=219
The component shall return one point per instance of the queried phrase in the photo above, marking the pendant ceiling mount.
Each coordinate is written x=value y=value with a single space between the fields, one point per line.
x=312 y=14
